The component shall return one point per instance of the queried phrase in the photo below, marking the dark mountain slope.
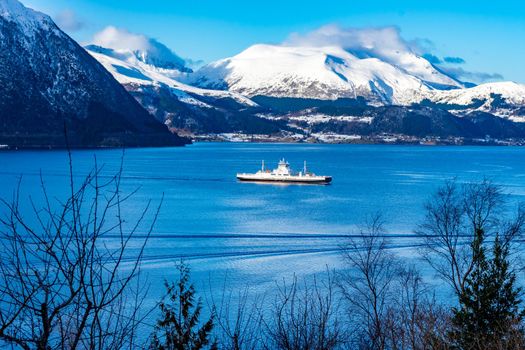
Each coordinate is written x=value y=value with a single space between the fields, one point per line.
x=48 y=81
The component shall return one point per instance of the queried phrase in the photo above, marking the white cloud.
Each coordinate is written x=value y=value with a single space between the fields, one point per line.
x=380 y=41
x=387 y=44
x=476 y=77
x=147 y=49
x=67 y=20
x=121 y=39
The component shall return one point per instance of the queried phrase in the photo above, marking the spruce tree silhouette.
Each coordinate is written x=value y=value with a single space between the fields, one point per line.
x=180 y=327
x=489 y=315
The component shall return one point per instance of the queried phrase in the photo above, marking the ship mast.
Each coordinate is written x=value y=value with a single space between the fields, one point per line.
x=262 y=166
x=304 y=168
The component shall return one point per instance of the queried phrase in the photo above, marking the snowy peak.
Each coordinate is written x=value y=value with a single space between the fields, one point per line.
x=127 y=69
x=503 y=99
x=310 y=72
x=28 y=19
x=169 y=62
x=421 y=68
x=160 y=58
x=180 y=106
x=132 y=47
x=512 y=92
x=14 y=11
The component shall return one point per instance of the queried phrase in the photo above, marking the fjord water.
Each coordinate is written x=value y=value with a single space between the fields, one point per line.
x=255 y=234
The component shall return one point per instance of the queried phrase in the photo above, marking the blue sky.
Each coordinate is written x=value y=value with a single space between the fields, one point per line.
x=488 y=35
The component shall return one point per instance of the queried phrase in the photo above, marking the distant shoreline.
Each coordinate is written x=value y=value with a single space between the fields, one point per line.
x=399 y=140
x=376 y=140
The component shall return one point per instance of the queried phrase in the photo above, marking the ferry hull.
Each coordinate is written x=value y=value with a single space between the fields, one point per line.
x=317 y=180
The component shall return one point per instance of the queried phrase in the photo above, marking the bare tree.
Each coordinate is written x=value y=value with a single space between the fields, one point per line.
x=239 y=319
x=390 y=306
x=453 y=217
x=418 y=321
x=304 y=317
x=368 y=283
x=66 y=270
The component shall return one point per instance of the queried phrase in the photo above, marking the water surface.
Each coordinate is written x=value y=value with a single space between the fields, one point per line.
x=258 y=233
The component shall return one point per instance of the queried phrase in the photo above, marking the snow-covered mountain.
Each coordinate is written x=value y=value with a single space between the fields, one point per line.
x=331 y=73
x=48 y=82
x=127 y=69
x=323 y=73
x=512 y=92
x=294 y=87
x=503 y=99
x=180 y=106
x=414 y=65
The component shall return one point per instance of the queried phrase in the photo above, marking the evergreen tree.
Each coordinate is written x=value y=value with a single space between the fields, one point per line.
x=489 y=315
x=180 y=327
x=507 y=316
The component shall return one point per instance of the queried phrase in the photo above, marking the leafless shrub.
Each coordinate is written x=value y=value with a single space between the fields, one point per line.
x=63 y=285
x=368 y=284
x=304 y=317
x=418 y=322
x=389 y=305
x=239 y=319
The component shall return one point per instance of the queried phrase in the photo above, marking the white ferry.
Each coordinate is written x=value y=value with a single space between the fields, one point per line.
x=283 y=173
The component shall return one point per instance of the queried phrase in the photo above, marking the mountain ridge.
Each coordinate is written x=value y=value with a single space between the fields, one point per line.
x=300 y=111
x=182 y=107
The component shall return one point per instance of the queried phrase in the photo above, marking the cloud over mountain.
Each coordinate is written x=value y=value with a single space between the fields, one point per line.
x=146 y=49
x=383 y=43
x=460 y=73
x=432 y=58
x=454 y=60
x=386 y=43
x=68 y=20
x=378 y=41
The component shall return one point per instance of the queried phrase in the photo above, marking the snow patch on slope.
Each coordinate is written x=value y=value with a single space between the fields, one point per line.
x=30 y=20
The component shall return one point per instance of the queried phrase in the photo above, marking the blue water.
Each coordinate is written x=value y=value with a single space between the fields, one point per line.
x=255 y=234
